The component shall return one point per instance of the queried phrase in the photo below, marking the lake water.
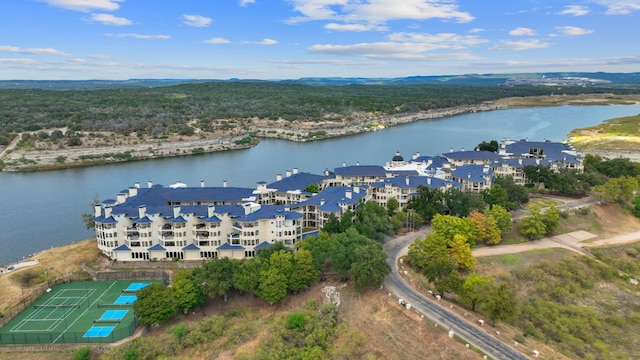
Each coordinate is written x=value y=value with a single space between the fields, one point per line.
x=42 y=209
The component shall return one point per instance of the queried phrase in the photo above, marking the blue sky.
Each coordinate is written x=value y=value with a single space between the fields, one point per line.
x=288 y=39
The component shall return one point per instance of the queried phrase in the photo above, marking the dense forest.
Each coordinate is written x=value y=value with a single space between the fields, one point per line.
x=159 y=110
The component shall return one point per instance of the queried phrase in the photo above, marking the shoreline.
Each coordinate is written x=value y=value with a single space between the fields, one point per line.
x=250 y=131
x=20 y=160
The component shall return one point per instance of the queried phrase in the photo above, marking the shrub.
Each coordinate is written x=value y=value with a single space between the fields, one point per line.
x=295 y=321
x=83 y=353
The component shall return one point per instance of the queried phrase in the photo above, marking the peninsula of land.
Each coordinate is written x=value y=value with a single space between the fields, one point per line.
x=51 y=148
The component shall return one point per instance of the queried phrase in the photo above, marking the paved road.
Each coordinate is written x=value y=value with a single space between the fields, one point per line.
x=396 y=247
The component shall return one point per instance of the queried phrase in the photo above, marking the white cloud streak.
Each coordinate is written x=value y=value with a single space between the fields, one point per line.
x=620 y=7
x=108 y=19
x=244 y=3
x=216 y=41
x=140 y=36
x=520 y=45
x=20 y=61
x=86 y=5
x=575 y=10
x=196 y=20
x=355 y=27
x=522 y=31
x=32 y=51
x=379 y=11
x=573 y=30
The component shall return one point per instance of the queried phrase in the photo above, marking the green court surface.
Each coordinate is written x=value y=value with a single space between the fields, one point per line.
x=77 y=312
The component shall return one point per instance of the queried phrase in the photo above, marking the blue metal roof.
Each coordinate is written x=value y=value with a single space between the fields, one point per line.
x=299 y=181
x=122 y=247
x=143 y=220
x=178 y=219
x=551 y=150
x=412 y=182
x=262 y=245
x=270 y=212
x=191 y=246
x=156 y=247
x=227 y=246
x=361 y=170
x=103 y=220
x=473 y=173
x=472 y=155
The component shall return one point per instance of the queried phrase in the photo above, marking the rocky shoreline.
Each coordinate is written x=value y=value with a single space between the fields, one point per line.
x=19 y=159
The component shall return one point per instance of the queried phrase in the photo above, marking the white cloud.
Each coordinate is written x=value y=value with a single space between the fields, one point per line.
x=355 y=27
x=86 y=5
x=520 y=45
x=522 y=31
x=266 y=42
x=619 y=7
x=32 y=51
x=99 y=56
x=378 y=11
x=76 y=61
x=140 y=36
x=21 y=61
x=108 y=19
x=438 y=41
x=575 y=10
x=246 y=2
x=476 y=31
x=196 y=20
x=573 y=30
x=216 y=41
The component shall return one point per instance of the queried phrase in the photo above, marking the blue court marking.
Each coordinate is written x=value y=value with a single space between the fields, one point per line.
x=114 y=314
x=99 y=331
x=136 y=286
x=126 y=299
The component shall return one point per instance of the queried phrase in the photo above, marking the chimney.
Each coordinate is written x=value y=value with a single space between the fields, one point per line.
x=97 y=210
x=202 y=183
x=142 y=211
x=356 y=189
x=520 y=161
x=107 y=212
x=133 y=191
x=485 y=169
x=344 y=164
x=295 y=170
x=210 y=210
x=176 y=211
x=468 y=175
x=357 y=163
x=224 y=183
x=278 y=177
x=121 y=198
x=537 y=161
x=415 y=155
x=450 y=149
x=137 y=185
x=326 y=172
x=462 y=149
x=149 y=184
x=406 y=180
x=428 y=181
x=321 y=202
x=347 y=194
x=287 y=173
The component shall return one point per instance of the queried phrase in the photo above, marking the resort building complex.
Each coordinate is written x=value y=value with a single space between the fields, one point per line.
x=195 y=223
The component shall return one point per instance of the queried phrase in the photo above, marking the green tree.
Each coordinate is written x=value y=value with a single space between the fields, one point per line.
x=247 y=275
x=449 y=226
x=501 y=216
x=303 y=271
x=155 y=304
x=497 y=195
x=516 y=194
x=370 y=266
x=372 y=221
x=88 y=218
x=460 y=203
x=460 y=252
x=320 y=247
x=428 y=202
x=274 y=277
x=488 y=146
x=332 y=225
x=532 y=226
x=313 y=188
x=501 y=303
x=486 y=228
x=392 y=206
x=216 y=276
x=618 y=190
x=187 y=293
x=551 y=220
x=475 y=290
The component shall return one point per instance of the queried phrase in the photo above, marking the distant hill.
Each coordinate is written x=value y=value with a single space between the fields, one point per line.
x=552 y=78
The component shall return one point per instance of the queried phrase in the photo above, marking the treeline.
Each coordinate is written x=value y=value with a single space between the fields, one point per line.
x=161 y=110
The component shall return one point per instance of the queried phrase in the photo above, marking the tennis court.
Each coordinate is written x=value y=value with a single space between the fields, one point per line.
x=77 y=312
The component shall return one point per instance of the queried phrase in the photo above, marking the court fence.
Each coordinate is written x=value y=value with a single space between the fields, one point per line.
x=68 y=337
x=132 y=275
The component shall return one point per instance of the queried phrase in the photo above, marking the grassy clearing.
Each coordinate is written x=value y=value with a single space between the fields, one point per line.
x=621 y=134
x=540 y=203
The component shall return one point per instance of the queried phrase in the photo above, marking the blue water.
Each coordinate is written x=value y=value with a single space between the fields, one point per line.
x=41 y=210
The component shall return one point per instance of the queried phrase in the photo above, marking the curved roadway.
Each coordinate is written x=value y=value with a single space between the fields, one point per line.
x=395 y=247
